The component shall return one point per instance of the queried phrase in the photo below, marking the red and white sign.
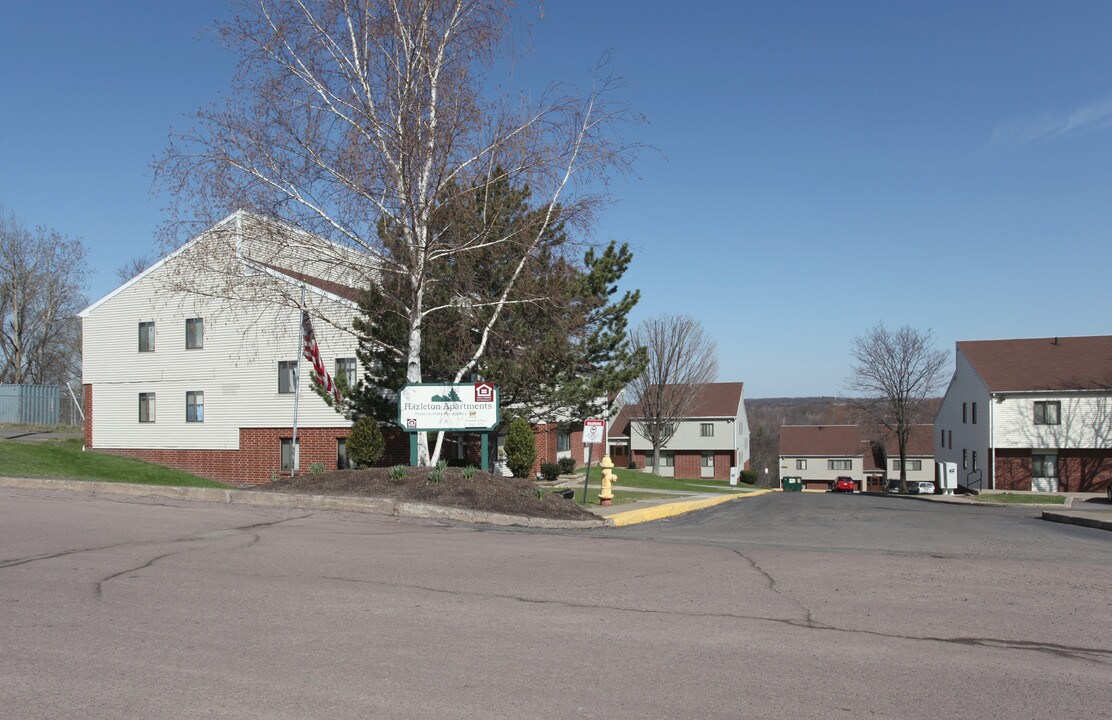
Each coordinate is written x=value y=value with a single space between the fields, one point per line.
x=593 y=430
x=484 y=392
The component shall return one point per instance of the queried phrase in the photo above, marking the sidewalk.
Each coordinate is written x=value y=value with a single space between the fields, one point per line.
x=1085 y=509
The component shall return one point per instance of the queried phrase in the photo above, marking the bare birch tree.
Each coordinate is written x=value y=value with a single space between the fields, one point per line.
x=356 y=119
x=682 y=359
x=897 y=371
x=42 y=274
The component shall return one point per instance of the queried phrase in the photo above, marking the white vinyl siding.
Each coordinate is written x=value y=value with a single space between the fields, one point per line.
x=235 y=370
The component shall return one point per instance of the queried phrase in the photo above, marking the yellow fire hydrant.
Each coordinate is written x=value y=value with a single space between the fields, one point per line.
x=606 y=495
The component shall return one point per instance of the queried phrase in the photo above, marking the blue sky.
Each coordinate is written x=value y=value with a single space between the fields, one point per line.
x=818 y=167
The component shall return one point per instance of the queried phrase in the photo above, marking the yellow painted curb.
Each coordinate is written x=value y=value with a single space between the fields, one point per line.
x=656 y=512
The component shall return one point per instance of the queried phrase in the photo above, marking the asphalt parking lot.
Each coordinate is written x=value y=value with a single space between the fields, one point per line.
x=803 y=606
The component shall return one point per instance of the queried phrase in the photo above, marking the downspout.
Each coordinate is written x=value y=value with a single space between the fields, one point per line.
x=992 y=440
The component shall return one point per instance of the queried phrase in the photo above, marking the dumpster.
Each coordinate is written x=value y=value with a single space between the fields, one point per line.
x=793 y=484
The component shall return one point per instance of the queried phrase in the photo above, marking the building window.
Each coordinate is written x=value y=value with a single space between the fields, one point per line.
x=950 y=437
x=974 y=461
x=974 y=413
x=194 y=333
x=194 y=406
x=708 y=459
x=964 y=459
x=942 y=439
x=146 y=337
x=706 y=429
x=146 y=407
x=563 y=442
x=911 y=465
x=345 y=368
x=800 y=464
x=1044 y=466
x=287 y=376
x=290 y=461
x=964 y=413
x=1048 y=412
x=839 y=464
x=342 y=462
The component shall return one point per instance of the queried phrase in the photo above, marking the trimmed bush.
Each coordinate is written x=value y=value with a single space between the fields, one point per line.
x=567 y=465
x=550 y=471
x=365 y=444
x=750 y=477
x=521 y=451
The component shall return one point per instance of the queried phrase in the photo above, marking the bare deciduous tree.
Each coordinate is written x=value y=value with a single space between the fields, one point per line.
x=133 y=267
x=896 y=371
x=41 y=277
x=681 y=360
x=356 y=120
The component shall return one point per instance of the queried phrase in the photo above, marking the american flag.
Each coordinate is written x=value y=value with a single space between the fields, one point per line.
x=312 y=354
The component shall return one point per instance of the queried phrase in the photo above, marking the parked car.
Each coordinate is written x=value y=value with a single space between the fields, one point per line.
x=921 y=487
x=843 y=484
x=893 y=486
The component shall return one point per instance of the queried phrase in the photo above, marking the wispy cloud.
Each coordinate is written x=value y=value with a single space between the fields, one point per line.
x=1051 y=125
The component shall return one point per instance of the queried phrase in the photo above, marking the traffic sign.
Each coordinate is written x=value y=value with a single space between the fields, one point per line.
x=593 y=431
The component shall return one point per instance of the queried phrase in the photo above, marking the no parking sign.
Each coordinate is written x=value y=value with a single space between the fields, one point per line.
x=593 y=431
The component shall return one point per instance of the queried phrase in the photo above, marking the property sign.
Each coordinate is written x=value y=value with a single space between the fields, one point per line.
x=593 y=431
x=466 y=407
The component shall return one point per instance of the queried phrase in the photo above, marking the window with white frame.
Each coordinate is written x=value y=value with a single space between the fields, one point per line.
x=342 y=462
x=345 y=368
x=146 y=407
x=287 y=376
x=1044 y=466
x=563 y=442
x=975 y=461
x=291 y=454
x=194 y=333
x=800 y=464
x=195 y=406
x=1048 y=412
x=964 y=459
x=146 y=337
x=911 y=465
x=708 y=460
x=706 y=429
x=839 y=464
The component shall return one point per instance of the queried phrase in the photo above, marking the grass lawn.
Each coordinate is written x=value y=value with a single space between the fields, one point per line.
x=639 y=479
x=1018 y=499
x=621 y=497
x=64 y=459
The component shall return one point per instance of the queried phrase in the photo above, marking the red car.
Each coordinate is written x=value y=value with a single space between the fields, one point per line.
x=844 y=484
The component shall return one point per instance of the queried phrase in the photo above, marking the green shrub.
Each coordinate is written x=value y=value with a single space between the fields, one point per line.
x=316 y=468
x=750 y=477
x=365 y=444
x=521 y=452
x=567 y=465
x=550 y=471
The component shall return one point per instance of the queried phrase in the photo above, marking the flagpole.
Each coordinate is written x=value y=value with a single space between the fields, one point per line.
x=294 y=454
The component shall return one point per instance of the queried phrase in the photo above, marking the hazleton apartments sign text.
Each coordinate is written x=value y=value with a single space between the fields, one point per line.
x=442 y=406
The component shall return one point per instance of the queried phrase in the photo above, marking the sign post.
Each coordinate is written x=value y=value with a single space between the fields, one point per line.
x=593 y=430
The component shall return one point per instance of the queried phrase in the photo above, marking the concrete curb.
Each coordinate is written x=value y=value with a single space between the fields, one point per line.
x=368 y=505
x=1085 y=519
x=658 y=512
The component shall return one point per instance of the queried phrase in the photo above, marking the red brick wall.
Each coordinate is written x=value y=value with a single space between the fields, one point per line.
x=544 y=439
x=689 y=464
x=87 y=403
x=1078 y=470
x=259 y=454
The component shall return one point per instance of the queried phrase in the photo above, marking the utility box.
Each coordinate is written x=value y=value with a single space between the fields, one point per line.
x=947 y=475
x=792 y=484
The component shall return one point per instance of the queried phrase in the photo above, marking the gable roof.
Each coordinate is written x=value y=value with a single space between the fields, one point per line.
x=1064 y=363
x=821 y=440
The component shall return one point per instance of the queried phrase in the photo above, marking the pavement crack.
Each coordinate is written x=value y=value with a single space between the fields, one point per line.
x=98 y=586
x=1088 y=654
x=774 y=586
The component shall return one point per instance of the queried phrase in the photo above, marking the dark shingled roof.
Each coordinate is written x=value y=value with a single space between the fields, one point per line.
x=1067 y=363
x=821 y=440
